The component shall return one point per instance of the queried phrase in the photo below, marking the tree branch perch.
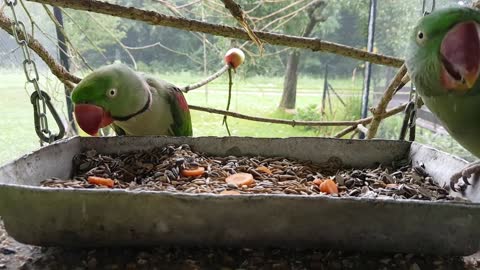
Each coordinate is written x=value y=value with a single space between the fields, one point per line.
x=155 y=18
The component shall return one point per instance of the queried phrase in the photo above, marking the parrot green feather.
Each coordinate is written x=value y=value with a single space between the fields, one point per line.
x=137 y=104
x=457 y=110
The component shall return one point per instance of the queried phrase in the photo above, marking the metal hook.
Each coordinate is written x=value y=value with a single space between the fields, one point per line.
x=39 y=116
x=424 y=12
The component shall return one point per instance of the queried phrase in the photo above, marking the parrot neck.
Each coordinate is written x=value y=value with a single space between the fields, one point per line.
x=145 y=107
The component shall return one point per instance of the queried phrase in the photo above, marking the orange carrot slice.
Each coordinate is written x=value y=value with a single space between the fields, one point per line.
x=100 y=181
x=318 y=181
x=240 y=179
x=329 y=187
x=264 y=170
x=193 y=172
x=229 y=192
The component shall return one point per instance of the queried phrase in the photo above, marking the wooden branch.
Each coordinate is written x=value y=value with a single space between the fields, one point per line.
x=362 y=128
x=155 y=18
x=205 y=81
x=239 y=15
x=58 y=70
x=67 y=39
x=292 y=123
x=383 y=103
x=345 y=131
x=364 y=121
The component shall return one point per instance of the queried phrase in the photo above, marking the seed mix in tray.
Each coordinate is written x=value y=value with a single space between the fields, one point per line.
x=179 y=169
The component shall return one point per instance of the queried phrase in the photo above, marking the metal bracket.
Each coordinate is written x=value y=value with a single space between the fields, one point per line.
x=40 y=117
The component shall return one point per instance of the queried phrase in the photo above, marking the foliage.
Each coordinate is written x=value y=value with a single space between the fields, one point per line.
x=313 y=112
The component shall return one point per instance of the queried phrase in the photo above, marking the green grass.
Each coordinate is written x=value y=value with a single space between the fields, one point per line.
x=258 y=96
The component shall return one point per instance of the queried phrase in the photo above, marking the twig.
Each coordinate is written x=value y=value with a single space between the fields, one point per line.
x=239 y=15
x=155 y=18
x=67 y=39
x=383 y=103
x=362 y=128
x=84 y=33
x=230 y=83
x=279 y=11
x=165 y=48
x=345 y=131
x=352 y=124
x=174 y=9
x=119 y=42
x=292 y=123
x=58 y=70
x=367 y=120
x=217 y=74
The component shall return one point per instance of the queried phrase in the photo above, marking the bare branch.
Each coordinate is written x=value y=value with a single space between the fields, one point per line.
x=58 y=70
x=280 y=10
x=67 y=39
x=163 y=47
x=383 y=103
x=292 y=123
x=84 y=33
x=119 y=42
x=367 y=120
x=239 y=15
x=205 y=81
x=155 y=18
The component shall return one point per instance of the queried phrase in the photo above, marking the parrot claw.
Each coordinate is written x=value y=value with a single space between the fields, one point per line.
x=464 y=174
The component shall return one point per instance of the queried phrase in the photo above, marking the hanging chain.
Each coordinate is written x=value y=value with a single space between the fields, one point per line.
x=39 y=99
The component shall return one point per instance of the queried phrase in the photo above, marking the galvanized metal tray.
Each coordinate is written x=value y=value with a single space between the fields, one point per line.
x=86 y=218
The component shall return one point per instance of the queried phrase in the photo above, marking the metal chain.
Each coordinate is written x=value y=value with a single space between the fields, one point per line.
x=40 y=100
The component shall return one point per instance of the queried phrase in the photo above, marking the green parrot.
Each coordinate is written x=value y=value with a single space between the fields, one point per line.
x=132 y=103
x=443 y=61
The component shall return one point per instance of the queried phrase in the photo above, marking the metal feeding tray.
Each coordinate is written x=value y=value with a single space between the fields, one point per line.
x=114 y=217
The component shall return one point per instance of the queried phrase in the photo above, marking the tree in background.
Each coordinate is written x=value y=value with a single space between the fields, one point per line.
x=314 y=13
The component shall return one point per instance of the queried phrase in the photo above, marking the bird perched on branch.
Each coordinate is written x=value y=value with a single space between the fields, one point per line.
x=443 y=62
x=132 y=103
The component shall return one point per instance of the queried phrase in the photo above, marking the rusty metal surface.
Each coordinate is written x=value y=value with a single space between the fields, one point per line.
x=46 y=216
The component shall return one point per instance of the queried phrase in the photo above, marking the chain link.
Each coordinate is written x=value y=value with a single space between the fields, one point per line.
x=40 y=100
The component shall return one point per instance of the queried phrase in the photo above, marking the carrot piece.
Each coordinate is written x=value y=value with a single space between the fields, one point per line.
x=318 y=181
x=100 y=181
x=240 y=179
x=193 y=172
x=264 y=170
x=229 y=192
x=329 y=187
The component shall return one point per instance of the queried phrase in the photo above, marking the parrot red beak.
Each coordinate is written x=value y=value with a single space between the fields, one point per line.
x=91 y=118
x=460 y=56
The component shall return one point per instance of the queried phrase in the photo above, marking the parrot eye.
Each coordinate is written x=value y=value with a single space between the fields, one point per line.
x=420 y=37
x=112 y=92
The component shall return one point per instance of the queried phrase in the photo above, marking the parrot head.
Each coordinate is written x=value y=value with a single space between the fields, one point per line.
x=444 y=51
x=113 y=92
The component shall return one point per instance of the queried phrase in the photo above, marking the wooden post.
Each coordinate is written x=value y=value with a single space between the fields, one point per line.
x=368 y=66
x=64 y=61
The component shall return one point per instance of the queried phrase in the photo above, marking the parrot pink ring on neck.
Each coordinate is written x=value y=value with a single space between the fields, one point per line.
x=460 y=56
x=91 y=118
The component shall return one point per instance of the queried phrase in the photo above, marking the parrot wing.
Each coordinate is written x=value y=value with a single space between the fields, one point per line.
x=182 y=123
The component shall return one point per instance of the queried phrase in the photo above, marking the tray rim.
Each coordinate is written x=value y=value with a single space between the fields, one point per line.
x=202 y=196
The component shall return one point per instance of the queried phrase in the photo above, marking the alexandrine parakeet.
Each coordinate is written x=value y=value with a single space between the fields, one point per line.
x=443 y=61
x=133 y=103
